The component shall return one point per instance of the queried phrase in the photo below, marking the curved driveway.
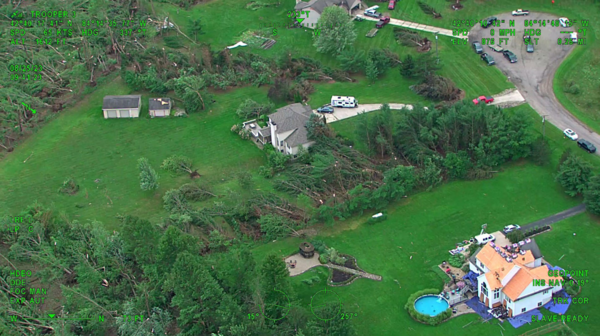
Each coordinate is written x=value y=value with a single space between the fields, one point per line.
x=533 y=74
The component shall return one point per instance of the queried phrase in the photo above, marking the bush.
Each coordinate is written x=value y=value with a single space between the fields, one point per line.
x=473 y=248
x=540 y=152
x=245 y=180
x=515 y=236
x=572 y=88
x=571 y=287
x=319 y=246
x=466 y=268
x=456 y=260
x=313 y=280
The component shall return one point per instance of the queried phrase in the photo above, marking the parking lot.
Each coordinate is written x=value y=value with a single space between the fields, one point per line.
x=533 y=74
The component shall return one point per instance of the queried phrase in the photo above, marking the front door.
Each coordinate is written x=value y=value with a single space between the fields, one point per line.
x=509 y=312
x=487 y=302
x=481 y=297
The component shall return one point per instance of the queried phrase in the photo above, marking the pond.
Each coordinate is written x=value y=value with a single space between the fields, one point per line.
x=431 y=305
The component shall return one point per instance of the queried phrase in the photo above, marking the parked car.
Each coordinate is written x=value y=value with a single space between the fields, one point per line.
x=586 y=145
x=488 y=22
x=529 y=47
x=327 y=108
x=510 y=56
x=392 y=4
x=488 y=59
x=477 y=47
x=520 y=12
x=496 y=48
x=569 y=133
x=485 y=99
x=373 y=14
x=382 y=22
x=510 y=228
x=564 y=22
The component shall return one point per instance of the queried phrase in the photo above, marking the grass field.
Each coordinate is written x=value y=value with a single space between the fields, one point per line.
x=426 y=226
x=83 y=145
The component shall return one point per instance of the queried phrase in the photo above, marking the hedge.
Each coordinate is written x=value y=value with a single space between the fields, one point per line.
x=435 y=320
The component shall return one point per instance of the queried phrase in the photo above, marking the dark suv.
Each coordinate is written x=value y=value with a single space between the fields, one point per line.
x=488 y=22
x=510 y=56
x=586 y=145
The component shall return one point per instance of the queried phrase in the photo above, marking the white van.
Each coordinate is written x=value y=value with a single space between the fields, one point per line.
x=371 y=9
x=339 y=101
x=484 y=239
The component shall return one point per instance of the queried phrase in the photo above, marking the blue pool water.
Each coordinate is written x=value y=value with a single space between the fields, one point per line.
x=431 y=305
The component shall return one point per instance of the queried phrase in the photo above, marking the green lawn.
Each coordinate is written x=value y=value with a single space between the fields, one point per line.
x=426 y=226
x=81 y=144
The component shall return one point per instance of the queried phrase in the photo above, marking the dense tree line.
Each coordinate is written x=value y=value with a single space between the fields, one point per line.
x=405 y=151
x=164 y=274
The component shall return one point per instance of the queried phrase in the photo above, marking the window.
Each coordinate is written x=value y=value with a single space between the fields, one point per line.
x=481 y=264
x=484 y=289
x=545 y=292
x=523 y=310
x=496 y=293
x=509 y=300
x=539 y=304
x=280 y=143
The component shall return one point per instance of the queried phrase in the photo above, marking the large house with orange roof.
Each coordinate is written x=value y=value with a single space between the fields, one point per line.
x=507 y=274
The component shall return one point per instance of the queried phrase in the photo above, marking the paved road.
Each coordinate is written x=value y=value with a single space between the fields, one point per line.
x=556 y=218
x=416 y=26
x=533 y=74
x=508 y=98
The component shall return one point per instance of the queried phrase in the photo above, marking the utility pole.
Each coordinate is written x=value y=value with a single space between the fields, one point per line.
x=544 y=126
x=436 y=48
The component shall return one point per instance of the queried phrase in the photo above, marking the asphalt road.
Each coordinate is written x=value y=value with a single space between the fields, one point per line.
x=555 y=218
x=533 y=73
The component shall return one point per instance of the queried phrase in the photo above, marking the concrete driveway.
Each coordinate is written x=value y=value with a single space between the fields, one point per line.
x=533 y=74
x=340 y=113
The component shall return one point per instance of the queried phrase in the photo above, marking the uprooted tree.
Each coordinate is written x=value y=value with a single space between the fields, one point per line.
x=179 y=165
x=411 y=38
x=429 y=10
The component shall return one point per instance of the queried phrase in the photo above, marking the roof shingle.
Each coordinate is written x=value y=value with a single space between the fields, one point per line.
x=117 y=102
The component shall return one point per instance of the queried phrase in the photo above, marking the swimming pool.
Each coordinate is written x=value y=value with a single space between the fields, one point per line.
x=431 y=305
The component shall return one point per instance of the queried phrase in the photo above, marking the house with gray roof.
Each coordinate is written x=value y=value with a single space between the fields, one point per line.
x=311 y=11
x=288 y=128
x=122 y=106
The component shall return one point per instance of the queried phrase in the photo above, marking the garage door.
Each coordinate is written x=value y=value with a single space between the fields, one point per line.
x=124 y=113
x=159 y=113
x=111 y=113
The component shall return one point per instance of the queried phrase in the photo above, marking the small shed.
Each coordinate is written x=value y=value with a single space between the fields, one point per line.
x=307 y=250
x=159 y=107
x=121 y=106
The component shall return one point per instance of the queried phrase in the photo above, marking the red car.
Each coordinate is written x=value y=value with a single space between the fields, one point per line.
x=485 y=99
x=392 y=4
x=382 y=22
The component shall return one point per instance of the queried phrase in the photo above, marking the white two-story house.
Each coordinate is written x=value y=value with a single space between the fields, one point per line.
x=288 y=128
x=506 y=277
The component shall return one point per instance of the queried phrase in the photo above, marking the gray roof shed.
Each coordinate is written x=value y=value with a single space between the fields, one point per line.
x=121 y=102
x=159 y=104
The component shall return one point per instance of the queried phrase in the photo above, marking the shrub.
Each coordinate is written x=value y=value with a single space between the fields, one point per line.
x=540 y=152
x=456 y=260
x=245 y=180
x=572 y=88
x=313 y=280
x=571 y=287
x=173 y=42
x=515 y=236
x=466 y=268
x=319 y=246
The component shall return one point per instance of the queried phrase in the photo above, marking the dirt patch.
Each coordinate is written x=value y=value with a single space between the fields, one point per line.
x=195 y=175
x=338 y=276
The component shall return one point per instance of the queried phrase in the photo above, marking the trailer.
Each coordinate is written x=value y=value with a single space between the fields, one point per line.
x=340 y=101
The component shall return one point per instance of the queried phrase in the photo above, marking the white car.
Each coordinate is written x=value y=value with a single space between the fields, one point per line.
x=569 y=133
x=510 y=228
x=564 y=22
